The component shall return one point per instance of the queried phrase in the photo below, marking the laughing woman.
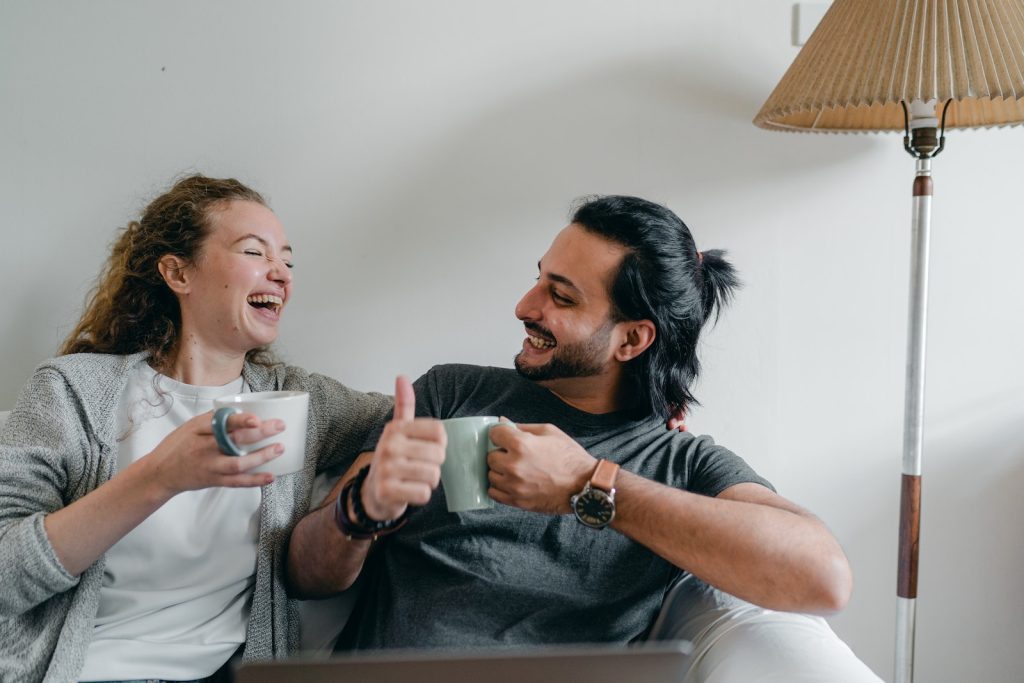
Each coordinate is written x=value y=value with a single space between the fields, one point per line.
x=130 y=546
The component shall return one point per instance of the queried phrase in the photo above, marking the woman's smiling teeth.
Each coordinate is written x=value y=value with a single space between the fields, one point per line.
x=539 y=343
x=270 y=301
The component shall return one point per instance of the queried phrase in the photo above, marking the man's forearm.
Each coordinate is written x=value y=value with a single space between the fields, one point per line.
x=321 y=560
x=748 y=542
x=404 y=470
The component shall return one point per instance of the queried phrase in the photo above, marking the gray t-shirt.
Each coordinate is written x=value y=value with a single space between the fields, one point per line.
x=505 y=576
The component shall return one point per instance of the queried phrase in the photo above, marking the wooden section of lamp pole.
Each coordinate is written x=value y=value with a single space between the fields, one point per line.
x=910 y=534
x=923 y=186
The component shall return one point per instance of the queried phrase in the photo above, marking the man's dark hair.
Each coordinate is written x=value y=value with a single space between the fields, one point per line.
x=664 y=279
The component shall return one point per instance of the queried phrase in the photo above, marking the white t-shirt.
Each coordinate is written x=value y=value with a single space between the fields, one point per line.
x=177 y=589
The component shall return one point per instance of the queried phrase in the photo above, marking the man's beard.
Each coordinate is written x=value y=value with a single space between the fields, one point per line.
x=584 y=359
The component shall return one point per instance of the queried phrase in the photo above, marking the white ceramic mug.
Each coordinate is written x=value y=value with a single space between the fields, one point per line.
x=291 y=407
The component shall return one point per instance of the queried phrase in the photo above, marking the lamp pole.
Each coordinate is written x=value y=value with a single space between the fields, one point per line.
x=865 y=62
x=923 y=140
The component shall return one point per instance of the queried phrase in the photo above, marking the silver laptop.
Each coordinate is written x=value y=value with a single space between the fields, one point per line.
x=664 y=662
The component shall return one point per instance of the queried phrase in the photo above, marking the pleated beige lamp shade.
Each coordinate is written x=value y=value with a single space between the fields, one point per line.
x=866 y=56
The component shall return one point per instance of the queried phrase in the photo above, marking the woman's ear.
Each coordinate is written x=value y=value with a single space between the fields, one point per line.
x=639 y=335
x=174 y=271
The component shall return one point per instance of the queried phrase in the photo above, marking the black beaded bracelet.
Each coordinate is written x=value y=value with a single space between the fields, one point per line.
x=363 y=527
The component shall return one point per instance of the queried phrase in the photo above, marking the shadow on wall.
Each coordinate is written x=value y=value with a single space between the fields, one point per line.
x=969 y=592
x=662 y=129
x=614 y=127
x=25 y=346
x=972 y=550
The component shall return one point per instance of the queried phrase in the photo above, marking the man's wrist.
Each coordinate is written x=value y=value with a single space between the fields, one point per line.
x=594 y=505
x=359 y=493
x=352 y=519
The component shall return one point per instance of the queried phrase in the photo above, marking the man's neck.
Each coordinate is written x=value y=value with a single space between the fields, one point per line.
x=597 y=394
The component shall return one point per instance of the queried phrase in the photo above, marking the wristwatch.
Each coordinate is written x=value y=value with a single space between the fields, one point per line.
x=594 y=506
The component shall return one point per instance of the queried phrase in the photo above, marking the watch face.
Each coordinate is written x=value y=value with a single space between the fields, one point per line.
x=594 y=508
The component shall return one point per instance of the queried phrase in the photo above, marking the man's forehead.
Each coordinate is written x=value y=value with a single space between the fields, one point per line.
x=582 y=257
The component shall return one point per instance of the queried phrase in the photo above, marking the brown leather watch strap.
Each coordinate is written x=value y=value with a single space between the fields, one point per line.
x=604 y=476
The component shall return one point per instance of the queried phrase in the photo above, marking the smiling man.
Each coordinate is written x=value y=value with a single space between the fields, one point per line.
x=602 y=510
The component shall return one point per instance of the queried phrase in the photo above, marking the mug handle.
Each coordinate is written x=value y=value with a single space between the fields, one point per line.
x=220 y=431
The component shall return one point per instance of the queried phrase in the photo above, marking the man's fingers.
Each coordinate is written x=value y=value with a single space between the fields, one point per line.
x=409 y=492
x=508 y=436
x=421 y=428
x=676 y=423
x=499 y=496
x=528 y=428
x=503 y=434
x=414 y=449
x=677 y=420
x=499 y=460
x=414 y=471
x=405 y=399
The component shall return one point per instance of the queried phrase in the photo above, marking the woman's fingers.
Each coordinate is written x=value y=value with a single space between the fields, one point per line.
x=247 y=480
x=231 y=465
x=248 y=433
x=204 y=422
x=191 y=459
x=240 y=426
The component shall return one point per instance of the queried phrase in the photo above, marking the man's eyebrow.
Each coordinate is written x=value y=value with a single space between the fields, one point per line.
x=561 y=279
x=254 y=236
x=565 y=281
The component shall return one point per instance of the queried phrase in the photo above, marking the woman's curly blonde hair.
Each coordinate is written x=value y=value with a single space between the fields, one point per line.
x=131 y=308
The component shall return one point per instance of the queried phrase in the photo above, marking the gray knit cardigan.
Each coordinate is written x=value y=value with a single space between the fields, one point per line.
x=59 y=444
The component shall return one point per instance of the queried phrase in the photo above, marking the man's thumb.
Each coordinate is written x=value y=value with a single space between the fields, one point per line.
x=405 y=399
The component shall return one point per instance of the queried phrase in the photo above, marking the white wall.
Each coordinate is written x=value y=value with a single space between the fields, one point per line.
x=423 y=154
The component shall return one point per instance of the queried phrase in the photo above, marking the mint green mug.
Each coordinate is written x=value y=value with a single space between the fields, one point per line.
x=464 y=471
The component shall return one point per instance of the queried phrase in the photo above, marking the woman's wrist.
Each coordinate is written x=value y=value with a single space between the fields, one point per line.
x=146 y=476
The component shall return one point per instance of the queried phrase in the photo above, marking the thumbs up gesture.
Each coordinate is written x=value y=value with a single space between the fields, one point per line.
x=406 y=466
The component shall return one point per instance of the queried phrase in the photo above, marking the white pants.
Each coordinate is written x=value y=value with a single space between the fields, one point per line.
x=734 y=641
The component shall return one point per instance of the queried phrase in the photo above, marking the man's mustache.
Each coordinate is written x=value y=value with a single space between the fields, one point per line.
x=540 y=331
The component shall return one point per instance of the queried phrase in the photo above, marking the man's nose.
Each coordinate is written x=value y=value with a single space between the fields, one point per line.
x=528 y=307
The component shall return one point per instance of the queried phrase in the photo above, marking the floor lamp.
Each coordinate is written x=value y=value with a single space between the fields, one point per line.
x=917 y=66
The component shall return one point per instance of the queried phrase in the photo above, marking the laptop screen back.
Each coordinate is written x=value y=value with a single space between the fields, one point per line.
x=649 y=663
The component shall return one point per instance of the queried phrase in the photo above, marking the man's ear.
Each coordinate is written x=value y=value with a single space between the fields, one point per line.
x=639 y=335
x=174 y=271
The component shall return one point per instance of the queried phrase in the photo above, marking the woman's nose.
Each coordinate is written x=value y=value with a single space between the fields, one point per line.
x=279 y=271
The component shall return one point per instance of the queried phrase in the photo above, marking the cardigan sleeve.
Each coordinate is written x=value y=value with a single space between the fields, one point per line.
x=42 y=448
x=340 y=418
